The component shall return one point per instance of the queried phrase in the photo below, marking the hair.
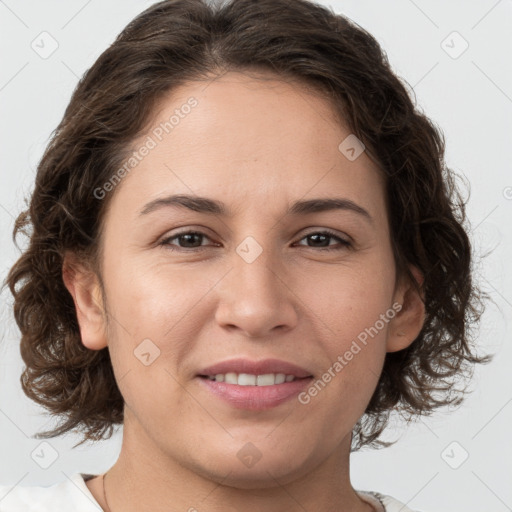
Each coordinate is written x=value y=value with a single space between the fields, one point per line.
x=175 y=42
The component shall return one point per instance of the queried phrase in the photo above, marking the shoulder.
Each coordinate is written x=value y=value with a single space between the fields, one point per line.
x=387 y=503
x=71 y=494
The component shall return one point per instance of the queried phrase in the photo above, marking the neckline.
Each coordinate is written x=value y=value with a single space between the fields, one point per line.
x=80 y=481
x=371 y=498
x=86 y=476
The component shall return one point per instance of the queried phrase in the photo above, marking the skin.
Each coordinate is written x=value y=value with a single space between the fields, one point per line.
x=257 y=145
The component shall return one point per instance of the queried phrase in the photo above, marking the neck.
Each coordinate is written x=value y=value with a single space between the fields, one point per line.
x=143 y=478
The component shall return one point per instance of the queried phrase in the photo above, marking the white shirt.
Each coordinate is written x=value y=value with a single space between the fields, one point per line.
x=73 y=495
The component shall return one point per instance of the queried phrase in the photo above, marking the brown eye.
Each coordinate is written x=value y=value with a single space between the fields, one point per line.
x=320 y=238
x=191 y=240
x=187 y=239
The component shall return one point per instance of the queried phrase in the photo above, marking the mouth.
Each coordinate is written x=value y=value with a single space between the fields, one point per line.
x=247 y=379
x=246 y=371
x=254 y=385
x=250 y=395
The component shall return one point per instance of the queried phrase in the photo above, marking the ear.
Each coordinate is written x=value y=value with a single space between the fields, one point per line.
x=405 y=327
x=83 y=285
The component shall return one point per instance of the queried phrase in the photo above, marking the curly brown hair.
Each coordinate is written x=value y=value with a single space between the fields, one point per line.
x=178 y=41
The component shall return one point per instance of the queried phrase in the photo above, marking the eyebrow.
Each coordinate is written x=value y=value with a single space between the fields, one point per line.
x=214 y=207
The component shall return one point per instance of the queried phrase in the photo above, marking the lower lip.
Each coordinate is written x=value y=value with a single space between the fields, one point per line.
x=256 y=398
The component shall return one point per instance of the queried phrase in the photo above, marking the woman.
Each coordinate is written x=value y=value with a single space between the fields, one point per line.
x=247 y=250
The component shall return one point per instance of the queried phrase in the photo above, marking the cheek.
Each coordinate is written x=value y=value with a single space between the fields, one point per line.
x=159 y=304
x=347 y=299
x=352 y=336
x=153 y=297
x=150 y=335
x=352 y=308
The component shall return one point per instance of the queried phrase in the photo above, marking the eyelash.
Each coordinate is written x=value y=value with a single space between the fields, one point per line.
x=345 y=244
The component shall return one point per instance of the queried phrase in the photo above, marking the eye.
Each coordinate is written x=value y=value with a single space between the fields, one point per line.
x=190 y=238
x=192 y=241
x=320 y=237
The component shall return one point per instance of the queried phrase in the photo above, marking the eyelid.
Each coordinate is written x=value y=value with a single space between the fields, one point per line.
x=199 y=230
x=187 y=231
x=329 y=231
x=345 y=240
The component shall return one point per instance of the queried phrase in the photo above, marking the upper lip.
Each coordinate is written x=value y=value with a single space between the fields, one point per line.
x=261 y=367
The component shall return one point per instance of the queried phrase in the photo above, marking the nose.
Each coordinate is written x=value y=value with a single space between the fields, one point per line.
x=257 y=298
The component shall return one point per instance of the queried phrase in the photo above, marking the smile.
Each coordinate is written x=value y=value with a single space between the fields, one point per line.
x=247 y=379
x=249 y=395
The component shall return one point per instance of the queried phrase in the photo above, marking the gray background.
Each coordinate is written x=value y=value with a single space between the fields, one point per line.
x=469 y=95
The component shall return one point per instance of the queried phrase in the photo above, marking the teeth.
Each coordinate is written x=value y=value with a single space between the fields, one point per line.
x=229 y=378
x=265 y=380
x=281 y=377
x=246 y=379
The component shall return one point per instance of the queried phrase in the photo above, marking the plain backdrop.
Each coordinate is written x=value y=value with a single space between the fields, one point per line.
x=456 y=57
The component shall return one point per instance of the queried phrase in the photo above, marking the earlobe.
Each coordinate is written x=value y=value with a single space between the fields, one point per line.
x=408 y=322
x=83 y=285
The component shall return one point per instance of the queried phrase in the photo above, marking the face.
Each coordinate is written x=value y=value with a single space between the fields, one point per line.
x=260 y=280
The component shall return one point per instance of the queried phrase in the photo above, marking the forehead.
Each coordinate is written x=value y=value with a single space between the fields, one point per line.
x=242 y=136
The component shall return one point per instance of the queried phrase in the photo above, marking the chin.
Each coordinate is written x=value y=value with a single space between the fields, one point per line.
x=239 y=471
